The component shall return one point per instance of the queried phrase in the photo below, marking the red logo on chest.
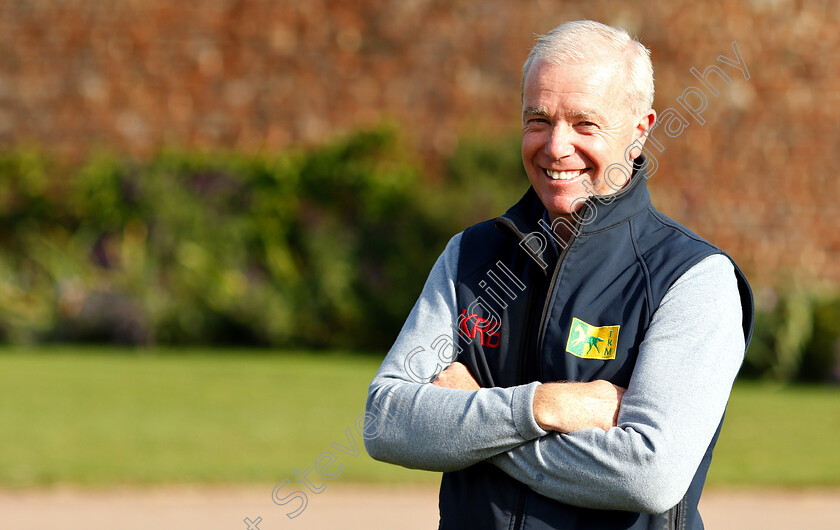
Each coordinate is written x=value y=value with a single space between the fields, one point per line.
x=485 y=330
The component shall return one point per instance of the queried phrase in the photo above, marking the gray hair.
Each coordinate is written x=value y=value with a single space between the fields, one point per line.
x=584 y=39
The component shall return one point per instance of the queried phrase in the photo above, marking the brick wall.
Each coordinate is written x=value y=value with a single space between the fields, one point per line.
x=758 y=178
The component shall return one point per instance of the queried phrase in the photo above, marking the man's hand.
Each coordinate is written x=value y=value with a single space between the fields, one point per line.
x=567 y=407
x=457 y=377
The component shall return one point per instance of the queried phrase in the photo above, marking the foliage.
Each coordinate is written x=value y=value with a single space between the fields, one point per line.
x=320 y=248
x=796 y=338
x=328 y=247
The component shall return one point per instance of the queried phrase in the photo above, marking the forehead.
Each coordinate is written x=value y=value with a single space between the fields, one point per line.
x=587 y=85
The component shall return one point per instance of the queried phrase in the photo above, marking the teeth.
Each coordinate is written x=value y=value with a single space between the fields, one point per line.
x=563 y=175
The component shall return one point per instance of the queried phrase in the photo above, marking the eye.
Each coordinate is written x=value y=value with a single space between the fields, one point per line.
x=537 y=122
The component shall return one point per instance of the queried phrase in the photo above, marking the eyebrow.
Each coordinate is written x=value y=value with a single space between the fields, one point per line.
x=577 y=115
x=535 y=111
x=586 y=115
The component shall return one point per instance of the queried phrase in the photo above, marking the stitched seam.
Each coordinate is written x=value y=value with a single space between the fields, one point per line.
x=645 y=271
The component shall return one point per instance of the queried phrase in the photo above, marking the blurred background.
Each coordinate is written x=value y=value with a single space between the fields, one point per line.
x=205 y=206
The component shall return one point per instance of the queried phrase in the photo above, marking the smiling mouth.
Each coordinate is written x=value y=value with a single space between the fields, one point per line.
x=564 y=175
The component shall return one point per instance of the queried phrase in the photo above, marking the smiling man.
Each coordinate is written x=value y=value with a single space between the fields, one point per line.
x=617 y=333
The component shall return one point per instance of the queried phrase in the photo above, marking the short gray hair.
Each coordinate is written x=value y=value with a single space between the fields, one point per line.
x=584 y=39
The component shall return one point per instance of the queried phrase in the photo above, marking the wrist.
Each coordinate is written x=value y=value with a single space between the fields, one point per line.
x=545 y=406
x=523 y=411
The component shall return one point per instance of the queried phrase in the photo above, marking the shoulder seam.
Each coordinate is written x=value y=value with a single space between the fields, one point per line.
x=645 y=271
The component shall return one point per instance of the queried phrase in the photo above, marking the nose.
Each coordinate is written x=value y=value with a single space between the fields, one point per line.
x=559 y=144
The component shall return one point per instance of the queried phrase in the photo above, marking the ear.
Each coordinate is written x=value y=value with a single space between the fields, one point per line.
x=641 y=130
x=643 y=126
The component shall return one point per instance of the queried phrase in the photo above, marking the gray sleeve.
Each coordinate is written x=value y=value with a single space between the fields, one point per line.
x=675 y=400
x=415 y=424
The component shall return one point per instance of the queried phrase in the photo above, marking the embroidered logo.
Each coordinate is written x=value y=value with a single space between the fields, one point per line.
x=592 y=342
x=486 y=330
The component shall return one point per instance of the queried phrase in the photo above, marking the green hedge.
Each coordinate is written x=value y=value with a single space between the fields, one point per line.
x=328 y=247
x=797 y=338
x=321 y=248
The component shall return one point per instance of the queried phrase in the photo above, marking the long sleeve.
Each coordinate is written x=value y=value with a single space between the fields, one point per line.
x=675 y=400
x=435 y=428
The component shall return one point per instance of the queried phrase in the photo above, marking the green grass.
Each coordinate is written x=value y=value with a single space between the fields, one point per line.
x=106 y=416
x=779 y=436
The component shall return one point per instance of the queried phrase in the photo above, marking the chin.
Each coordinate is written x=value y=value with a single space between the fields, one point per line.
x=561 y=205
x=557 y=209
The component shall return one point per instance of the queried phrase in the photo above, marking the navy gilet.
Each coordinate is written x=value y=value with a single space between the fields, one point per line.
x=531 y=310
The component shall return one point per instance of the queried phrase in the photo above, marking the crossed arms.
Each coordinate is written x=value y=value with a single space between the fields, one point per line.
x=586 y=444
x=562 y=407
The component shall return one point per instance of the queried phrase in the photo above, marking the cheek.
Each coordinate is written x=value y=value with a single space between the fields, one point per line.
x=598 y=151
x=531 y=144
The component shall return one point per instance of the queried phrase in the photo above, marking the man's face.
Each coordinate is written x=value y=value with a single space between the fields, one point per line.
x=575 y=124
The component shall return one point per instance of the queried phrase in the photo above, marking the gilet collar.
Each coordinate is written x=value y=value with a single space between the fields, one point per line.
x=599 y=211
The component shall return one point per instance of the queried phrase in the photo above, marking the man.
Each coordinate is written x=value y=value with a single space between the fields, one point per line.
x=510 y=372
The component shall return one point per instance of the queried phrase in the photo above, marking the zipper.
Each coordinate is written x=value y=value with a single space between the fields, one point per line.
x=678 y=513
x=523 y=350
x=519 y=513
x=519 y=519
x=675 y=521
x=527 y=342
x=553 y=282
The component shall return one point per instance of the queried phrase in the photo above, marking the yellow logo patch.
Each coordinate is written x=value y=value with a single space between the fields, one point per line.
x=592 y=342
